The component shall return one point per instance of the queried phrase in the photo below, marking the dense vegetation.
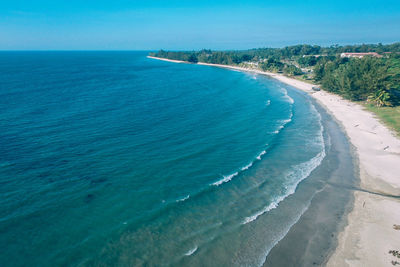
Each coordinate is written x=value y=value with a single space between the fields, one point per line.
x=374 y=79
x=289 y=52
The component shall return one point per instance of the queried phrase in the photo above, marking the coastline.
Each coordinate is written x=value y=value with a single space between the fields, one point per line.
x=313 y=238
x=369 y=234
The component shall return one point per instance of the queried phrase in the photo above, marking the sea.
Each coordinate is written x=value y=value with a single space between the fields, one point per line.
x=114 y=159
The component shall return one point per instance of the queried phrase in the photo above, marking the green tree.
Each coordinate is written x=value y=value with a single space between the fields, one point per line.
x=192 y=58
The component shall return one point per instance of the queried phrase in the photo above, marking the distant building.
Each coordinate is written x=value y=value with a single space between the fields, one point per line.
x=323 y=55
x=360 y=55
x=252 y=63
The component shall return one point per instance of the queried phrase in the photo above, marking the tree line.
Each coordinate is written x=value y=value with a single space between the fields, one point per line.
x=376 y=80
x=369 y=78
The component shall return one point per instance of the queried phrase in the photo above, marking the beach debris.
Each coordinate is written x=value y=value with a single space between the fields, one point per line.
x=386 y=147
x=395 y=253
x=356 y=125
x=396 y=226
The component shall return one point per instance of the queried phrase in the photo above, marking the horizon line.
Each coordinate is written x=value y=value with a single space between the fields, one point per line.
x=150 y=50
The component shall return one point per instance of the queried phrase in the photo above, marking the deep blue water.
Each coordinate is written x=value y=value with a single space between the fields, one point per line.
x=116 y=159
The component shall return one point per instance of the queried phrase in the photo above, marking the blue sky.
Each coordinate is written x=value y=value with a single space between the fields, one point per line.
x=177 y=25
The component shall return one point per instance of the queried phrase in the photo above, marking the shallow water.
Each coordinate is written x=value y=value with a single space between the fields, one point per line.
x=113 y=158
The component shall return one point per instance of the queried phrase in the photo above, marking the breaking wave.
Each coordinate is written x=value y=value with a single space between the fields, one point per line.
x=287 y=97
x=293 y=178
x=227 y=178
x=190 y=252
x=247 y=166
x=298 y=173
x=183 y=199
x=261 y=154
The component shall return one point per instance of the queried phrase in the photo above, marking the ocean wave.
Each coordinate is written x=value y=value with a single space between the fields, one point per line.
x=284 y=123
x=247 y=166
x=226 y=178
x=287 y=97
x=183 y=199
x=320 y=138
x=279 y=129
x=261 y=154
x=190 y=252
x=275 y=242
x=271 y=206
x=298 y=173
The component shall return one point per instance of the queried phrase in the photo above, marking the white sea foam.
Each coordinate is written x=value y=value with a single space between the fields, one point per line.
x=286 y=121
x=280 y=127
x=287 y=97
x=285 y=232
x=320 y=138
x=226 y=178
x=183 y=199
x=291 y=100
x=271 y=206
x=190 y=252
x=247 y=166
x=298 y=173
x=262 y=153
x=311 y=164
x=293 y=178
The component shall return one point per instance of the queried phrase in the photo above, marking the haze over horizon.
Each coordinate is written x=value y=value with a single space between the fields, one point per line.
x=187 y=25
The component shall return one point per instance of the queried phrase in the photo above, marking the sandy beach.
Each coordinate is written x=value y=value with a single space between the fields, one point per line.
x=370 y=233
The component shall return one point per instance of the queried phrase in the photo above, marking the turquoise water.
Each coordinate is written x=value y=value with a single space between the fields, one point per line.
x=113 y=158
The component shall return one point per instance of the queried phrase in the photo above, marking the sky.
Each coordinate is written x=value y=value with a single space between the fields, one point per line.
x=192 y=25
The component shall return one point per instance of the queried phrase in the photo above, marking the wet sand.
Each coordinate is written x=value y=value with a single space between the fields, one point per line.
x=313 y=238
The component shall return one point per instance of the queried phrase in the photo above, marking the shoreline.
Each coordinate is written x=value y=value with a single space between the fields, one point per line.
x=313 y=238
x=369 y=233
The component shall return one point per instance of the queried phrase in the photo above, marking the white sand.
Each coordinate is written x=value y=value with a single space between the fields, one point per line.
x=369 y=235
x=169 y=60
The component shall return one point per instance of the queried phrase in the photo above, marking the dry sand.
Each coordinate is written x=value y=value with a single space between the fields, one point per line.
x=369 y=234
